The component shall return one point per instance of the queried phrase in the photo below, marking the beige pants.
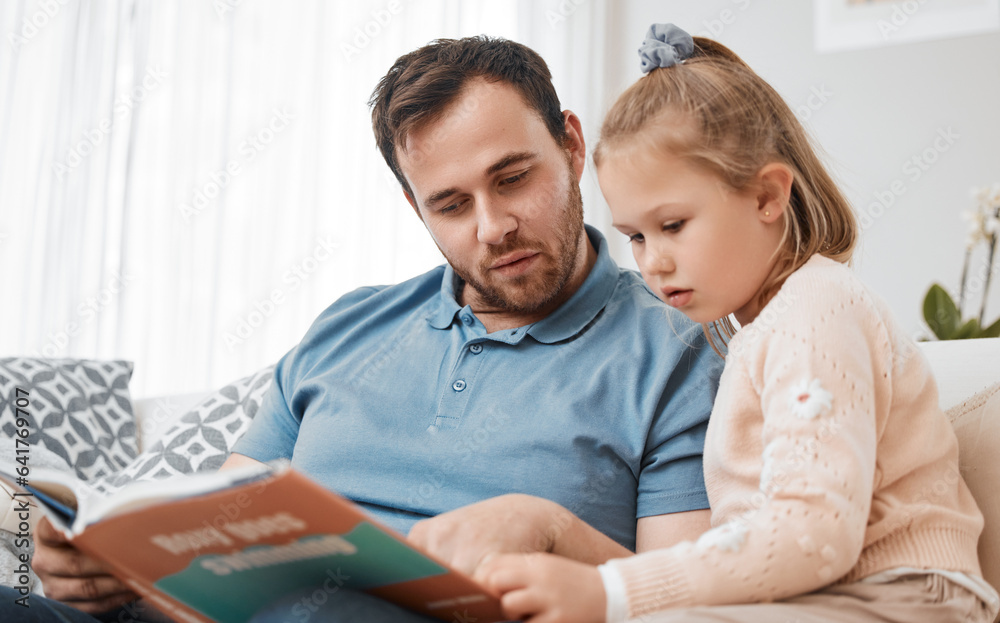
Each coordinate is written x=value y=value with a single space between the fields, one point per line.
x=910 y=599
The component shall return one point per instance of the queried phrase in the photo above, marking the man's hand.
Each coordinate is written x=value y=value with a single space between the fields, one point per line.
x=70 y=576
x=512 y=523
x=545 y=588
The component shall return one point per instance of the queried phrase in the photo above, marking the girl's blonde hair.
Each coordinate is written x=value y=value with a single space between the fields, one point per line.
x=714 y=111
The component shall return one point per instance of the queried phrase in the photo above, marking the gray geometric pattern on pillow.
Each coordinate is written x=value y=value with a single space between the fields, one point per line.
x=203 y=437
x=78 y=409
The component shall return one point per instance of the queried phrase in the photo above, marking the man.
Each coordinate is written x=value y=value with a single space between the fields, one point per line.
x=528 y=389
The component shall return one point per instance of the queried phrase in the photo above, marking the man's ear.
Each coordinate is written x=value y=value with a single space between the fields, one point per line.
x=573 y=143
x=774 y=190
x=413 y=204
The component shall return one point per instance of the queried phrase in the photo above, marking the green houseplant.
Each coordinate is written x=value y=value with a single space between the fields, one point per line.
x=943 y=315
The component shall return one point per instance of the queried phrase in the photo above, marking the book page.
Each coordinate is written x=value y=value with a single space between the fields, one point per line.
x=138 y=495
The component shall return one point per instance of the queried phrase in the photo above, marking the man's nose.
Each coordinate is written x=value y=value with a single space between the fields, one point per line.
x=494 y=221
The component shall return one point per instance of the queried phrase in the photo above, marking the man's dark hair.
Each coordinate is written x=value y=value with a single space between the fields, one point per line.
x=420 y=86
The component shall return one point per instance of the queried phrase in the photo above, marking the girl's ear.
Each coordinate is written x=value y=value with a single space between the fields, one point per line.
x=774 y=183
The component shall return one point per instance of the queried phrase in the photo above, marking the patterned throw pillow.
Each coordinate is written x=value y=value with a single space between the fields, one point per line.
x=203 y=438
x=78 y=409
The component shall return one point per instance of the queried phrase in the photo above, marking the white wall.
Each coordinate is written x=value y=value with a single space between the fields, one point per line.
x=884 y=106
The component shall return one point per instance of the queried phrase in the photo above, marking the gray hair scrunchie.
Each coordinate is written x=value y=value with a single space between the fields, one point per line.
x=665 y=46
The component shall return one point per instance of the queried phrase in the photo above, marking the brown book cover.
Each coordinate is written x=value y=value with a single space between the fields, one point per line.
x=219 y=547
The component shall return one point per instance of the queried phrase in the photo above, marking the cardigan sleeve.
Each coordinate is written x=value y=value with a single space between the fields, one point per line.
x=814 y=377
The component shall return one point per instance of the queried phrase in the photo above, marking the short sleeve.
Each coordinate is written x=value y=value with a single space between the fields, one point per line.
x=671 y=479
x=274 y=429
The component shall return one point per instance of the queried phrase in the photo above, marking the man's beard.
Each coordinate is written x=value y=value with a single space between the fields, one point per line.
x=529 y=293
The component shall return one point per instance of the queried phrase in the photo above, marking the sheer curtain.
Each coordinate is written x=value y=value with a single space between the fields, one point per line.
x=188 y=184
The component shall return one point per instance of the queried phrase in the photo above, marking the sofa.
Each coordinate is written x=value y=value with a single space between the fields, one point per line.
x=194 y=431
x=968 y=377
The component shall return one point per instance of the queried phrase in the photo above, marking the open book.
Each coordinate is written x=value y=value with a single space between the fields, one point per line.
x=220 y=546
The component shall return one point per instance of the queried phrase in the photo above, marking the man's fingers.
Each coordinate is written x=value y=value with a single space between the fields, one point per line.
x=426 y=535
x=92 y=589
x=482 y=563
x=64 y=561
x=467 y=560
x=104 y=605
x=72 y=577
x=46 y=533
x=418 y=533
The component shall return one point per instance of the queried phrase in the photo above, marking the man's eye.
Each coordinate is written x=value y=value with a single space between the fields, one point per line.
x=513 y=179
x=451 y=208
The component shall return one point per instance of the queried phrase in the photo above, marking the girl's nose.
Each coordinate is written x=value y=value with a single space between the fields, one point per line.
x=660 y=261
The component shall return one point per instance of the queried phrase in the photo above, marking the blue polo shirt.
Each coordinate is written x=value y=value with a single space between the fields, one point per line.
x=398 y=399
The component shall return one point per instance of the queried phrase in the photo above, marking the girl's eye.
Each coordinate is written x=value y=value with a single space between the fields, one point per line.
x=673 y=227
x=633 y=238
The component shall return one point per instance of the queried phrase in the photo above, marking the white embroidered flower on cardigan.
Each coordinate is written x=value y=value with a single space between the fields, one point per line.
x=809 y=399
x=729 y=537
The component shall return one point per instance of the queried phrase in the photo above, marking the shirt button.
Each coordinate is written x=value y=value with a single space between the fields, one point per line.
x=467 y=320
x=458 y=385
x=476 y=349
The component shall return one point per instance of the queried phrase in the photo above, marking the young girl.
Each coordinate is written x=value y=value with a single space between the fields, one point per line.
x=831 y=471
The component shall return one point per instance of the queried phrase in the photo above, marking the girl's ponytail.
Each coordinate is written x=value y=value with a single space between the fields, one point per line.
x=710 y=108
x=710 y=48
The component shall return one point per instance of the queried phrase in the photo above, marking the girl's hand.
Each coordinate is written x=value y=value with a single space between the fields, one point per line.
x=545 y=588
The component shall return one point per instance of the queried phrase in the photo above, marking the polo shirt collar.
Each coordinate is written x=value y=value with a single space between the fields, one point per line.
x=574 y=315
x=447 y=307
x=569 y=319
